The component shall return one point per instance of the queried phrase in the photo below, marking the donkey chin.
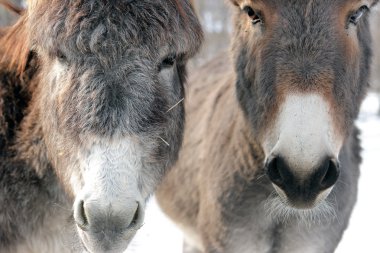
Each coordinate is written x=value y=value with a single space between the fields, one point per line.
x=302 y=164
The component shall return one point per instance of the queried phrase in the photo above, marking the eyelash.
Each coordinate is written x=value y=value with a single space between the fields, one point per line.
x=254 y=15
x=355 y=17
x=61 y=56
x=168 y=62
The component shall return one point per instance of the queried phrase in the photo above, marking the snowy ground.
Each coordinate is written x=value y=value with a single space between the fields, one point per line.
x=161 y=236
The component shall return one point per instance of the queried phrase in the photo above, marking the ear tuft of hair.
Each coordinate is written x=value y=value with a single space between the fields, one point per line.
x=15 y=49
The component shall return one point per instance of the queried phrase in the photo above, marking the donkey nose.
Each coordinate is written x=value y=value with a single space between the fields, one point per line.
x=302 y=186
x=90 y=215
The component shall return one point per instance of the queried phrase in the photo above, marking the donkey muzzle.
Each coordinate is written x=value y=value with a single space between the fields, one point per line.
x=302 y=190
x=106 y=225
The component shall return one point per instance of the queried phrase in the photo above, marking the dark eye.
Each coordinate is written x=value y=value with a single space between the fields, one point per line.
x=61 y=56
x=355 y=16
x=254 y=15
x=169 y=61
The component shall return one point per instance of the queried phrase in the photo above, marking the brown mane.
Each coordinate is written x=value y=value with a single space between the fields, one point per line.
x=15 y=48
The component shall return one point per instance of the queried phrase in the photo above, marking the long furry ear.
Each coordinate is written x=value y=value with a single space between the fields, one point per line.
x=14 y=46
x=12 y=7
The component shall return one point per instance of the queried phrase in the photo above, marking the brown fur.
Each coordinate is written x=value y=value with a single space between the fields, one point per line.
x=18 y=67
x=15 y=48
x=218 y=141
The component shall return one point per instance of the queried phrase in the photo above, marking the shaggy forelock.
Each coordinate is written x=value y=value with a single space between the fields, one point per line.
x=113 y=26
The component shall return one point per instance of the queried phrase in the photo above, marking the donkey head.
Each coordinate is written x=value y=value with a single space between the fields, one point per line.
x=110 y=73
x=302 y=71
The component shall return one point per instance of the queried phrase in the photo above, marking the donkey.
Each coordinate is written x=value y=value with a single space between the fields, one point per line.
x=270 y=160
x=90 y=119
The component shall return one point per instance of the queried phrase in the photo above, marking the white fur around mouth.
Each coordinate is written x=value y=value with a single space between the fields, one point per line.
x=279 y=209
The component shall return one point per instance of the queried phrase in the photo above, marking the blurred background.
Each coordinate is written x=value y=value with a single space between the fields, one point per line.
x=7 y=17
x=375 y=27
x=159 y=235
x=216 y=21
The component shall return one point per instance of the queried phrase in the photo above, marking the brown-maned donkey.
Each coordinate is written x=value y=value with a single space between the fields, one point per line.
x=89 y=119
x=270 y=161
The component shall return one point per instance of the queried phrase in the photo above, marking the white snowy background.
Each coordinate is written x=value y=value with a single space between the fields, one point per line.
x=159 y=235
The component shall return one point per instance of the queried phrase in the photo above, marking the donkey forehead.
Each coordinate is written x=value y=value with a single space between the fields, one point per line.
x=309 y=34
x=305 y=19
x=298 y=3
x=298 y=13
x=118 y=25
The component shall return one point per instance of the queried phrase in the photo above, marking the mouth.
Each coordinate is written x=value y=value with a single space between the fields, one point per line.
x=281 y=209
x=105 y=241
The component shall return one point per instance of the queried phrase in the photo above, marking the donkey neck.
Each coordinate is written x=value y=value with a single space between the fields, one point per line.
x=20 y=129
x=228 y=144
x=14 y=99
x=232 y=140
x=31 y=185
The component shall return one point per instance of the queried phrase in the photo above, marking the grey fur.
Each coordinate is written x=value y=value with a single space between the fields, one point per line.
x=113 y=53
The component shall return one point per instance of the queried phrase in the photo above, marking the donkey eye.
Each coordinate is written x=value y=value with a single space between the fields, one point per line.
x=355 y=17
x=254 y=15
x=169 y=61
x=61 y=56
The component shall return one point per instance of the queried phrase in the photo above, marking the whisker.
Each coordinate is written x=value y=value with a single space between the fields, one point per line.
x=174 y=106
x=260 y=177
x=281 y=211
x=139 y=227
x=167 y=143
x=340 y=181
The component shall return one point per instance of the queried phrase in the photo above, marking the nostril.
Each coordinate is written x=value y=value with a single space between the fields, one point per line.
x=136 y=216
x=274 y=172
x=80 y=215
x=331 y=175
